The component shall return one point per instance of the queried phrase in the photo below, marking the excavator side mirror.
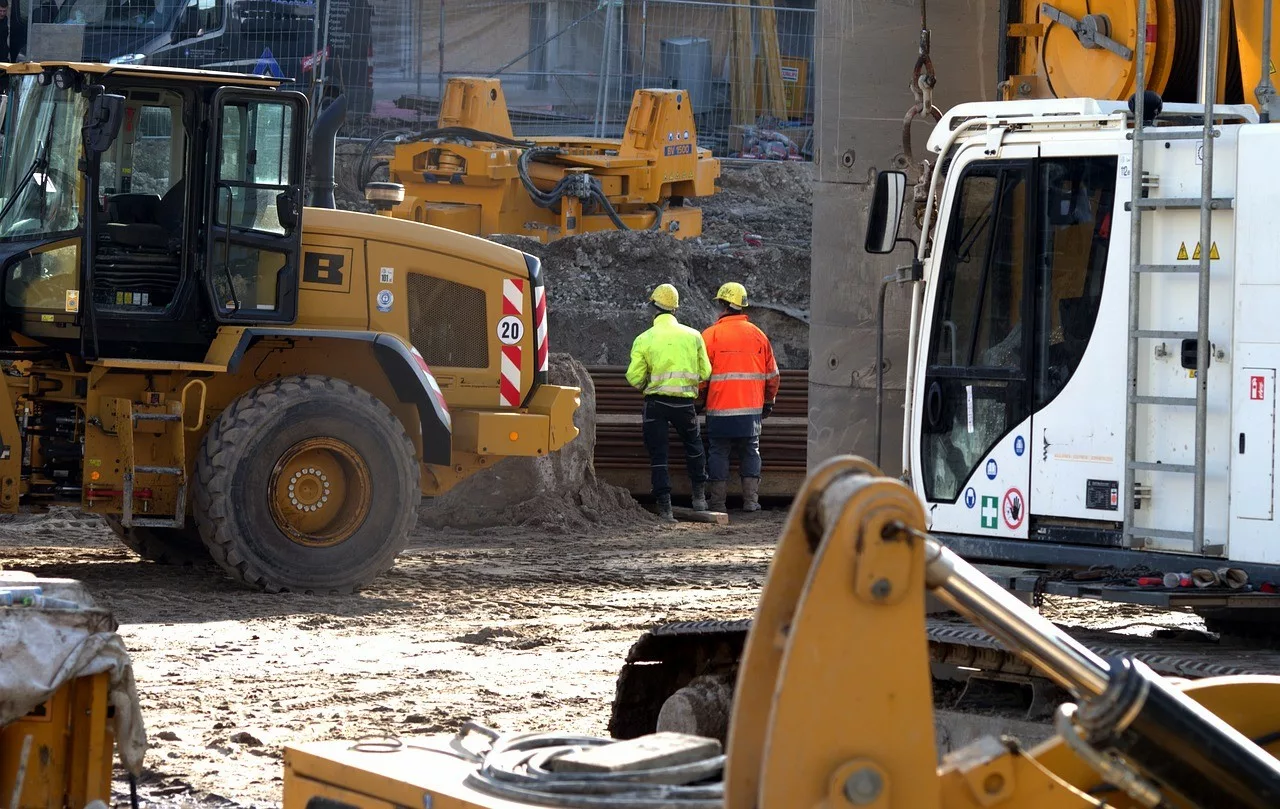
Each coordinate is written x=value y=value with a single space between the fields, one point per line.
x=886 y=212
x=102 y=124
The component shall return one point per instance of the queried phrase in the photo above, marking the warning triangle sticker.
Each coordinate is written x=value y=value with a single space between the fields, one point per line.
x=1213 y=252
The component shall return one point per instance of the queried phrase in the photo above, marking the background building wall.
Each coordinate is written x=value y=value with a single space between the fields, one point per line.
x=865 y=53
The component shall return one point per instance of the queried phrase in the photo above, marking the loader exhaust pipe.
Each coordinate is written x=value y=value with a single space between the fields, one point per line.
x=324 y=136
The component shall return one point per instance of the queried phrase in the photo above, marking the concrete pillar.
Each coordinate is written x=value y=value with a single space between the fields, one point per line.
x=865 y=52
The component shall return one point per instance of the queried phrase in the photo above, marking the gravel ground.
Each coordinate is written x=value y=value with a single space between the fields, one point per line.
x=517 y=628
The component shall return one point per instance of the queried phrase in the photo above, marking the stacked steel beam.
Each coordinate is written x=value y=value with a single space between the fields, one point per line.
x=783 y=443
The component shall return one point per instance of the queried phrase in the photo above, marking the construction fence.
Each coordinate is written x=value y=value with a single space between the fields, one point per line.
x=567 y=66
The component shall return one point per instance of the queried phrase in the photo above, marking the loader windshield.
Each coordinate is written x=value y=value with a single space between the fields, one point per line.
x=39 y=180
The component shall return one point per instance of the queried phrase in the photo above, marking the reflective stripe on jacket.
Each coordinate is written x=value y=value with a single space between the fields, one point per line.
x=669 y=359
x=744 y=373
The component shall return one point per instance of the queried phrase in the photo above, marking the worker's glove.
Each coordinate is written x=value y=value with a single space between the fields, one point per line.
x=767 y=411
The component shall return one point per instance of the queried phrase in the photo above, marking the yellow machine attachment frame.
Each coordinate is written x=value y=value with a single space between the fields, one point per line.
x=471 y=174
x=834 y=700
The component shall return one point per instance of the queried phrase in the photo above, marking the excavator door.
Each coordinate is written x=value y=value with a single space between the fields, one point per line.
x=254 y=236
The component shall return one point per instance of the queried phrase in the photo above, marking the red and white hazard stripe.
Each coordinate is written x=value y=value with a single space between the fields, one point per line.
x=512 y=356
x=435 y=387
x=540 y=326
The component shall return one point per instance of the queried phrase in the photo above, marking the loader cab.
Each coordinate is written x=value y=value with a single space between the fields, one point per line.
x=189 y=216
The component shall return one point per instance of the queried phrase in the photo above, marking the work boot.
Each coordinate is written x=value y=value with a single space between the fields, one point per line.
x=751 y=494
x=664 y=508
x=700 y=497
x=719 y=492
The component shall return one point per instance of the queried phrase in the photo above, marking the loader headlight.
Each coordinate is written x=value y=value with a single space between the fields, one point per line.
x=127 y=59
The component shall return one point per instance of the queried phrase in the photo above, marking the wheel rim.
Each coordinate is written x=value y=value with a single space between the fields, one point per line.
x=320 y=492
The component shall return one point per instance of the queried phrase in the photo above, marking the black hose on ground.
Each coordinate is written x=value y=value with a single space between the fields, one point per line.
x=518 y=768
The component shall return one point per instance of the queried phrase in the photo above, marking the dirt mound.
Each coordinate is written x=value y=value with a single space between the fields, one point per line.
x=558 y=494
x=597 y=285
x=770 y=200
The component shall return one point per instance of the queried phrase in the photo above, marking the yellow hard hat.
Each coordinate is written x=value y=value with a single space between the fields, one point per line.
x=734 y=294
x=666 y=297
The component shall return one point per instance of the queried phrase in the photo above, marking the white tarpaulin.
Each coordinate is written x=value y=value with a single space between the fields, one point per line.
x=42 y=649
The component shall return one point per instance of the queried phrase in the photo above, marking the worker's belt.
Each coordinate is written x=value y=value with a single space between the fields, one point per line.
x=737 y=411
x=742 y=377
x=681 y=401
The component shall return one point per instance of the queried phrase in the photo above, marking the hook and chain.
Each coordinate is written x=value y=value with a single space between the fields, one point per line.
x=923 y=80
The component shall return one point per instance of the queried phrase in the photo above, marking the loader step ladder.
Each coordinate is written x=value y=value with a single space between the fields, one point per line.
x=126 y=420
x=1141 y=204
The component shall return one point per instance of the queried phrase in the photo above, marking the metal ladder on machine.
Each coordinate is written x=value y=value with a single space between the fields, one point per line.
x=1139 y=205
x=127 y=419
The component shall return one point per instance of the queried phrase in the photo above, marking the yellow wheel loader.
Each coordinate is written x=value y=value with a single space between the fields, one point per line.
x=213 y=367
x=834 y=705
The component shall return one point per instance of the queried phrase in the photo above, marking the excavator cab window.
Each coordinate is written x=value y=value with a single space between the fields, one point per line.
x=975 y=384
x=254 y=199
x=1027 y=243
x=1074 y=240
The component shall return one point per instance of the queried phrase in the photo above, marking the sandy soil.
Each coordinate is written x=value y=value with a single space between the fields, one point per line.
x=521 y=629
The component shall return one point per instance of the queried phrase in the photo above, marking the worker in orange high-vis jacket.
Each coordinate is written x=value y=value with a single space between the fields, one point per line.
x=742 y=389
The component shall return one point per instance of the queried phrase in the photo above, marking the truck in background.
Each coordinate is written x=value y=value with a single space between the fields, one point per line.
x=325 y=46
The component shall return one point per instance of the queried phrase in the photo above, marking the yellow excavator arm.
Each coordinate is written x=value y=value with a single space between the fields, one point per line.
x=833 y=705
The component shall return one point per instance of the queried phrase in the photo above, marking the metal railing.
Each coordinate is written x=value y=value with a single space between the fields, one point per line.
x=567 y=66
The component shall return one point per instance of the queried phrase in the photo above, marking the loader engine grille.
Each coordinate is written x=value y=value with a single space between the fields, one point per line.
x=447 y=322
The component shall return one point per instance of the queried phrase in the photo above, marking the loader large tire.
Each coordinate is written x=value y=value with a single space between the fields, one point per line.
x=307 y=484
x=166 y=546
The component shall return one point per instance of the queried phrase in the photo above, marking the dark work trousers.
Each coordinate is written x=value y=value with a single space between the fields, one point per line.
x=660 y=414
x=747 y=449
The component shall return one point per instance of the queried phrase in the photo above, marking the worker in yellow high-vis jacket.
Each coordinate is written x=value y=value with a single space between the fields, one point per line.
x=668 y=364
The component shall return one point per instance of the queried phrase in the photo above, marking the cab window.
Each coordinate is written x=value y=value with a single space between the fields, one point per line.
x=255 y=171
x=46 y=281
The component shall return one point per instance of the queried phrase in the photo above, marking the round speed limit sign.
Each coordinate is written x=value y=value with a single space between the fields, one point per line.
x=510 y=330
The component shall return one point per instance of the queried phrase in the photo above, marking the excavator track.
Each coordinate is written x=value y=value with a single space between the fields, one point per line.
x=670 y=656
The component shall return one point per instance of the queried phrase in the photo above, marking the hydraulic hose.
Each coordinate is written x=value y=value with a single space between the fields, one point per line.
x=598 y=193
x=366 y=167
x=543 y=199
x=583 y=186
